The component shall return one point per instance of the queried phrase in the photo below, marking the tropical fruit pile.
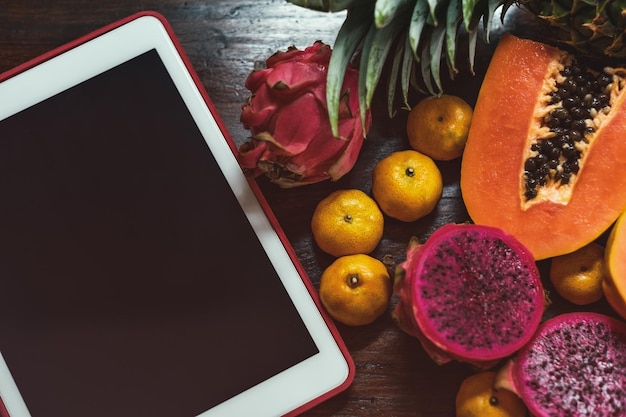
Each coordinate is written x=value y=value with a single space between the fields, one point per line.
x=546 y=139
x=545 y=135
x=542 y=177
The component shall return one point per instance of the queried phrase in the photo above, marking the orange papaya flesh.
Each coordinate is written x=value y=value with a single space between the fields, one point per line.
x=509 y=117
x=614 y=286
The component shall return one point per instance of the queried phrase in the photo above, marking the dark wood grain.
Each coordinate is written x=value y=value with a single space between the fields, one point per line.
x=225 y=40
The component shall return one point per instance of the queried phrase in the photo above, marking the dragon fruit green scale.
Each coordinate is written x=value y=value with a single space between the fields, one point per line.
x=291 y=138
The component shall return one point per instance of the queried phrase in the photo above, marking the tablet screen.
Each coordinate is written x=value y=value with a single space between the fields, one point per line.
x=131 y=283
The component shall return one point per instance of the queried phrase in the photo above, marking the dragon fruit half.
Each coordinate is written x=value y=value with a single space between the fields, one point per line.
x=574 y=366
x=470 y=293
x=292 y=141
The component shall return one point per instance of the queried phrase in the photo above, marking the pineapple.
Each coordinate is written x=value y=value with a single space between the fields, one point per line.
x=594 y=29
x=417 y=36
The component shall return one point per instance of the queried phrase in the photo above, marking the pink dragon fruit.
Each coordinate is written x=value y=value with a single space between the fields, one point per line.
x=470 y=293
x=292 y=141
x=574 y=366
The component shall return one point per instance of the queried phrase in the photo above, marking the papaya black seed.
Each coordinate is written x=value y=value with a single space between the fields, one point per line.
x=567 y=71
x=551 y=121
x=604 y=79
x=570 y=85
x=540 y=160
x=604 y=100
x=583 y=89
x=567 y=122
x=554 y=154
x=563 y=92
x=594 y=103
x=555 y=97
x=578 y=113
x=570 y=102
x=575 y=135
x=547 y=145
x=561 y=113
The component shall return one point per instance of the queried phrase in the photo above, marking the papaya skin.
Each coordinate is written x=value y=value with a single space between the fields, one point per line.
x=615 y=300
x=493 y=158
x=614 y=286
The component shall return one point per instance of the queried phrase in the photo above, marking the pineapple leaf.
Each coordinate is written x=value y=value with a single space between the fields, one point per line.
x=430 y=62
x=432 y=5
x=326 y=5
x=382 y=41
x=418 y=21
x=468 y=9
x=425 y=71
x=453 y=18
x=363 y=70
x=473 y=37
x=348 y=38
x=407 y=66
x=401 y=69
x=394 y=74
x=386 y=10
x=436 y=47
x=413 y=80
x=488 y=20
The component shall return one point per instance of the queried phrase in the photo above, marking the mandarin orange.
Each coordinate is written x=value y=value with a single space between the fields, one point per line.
x=355 y=289
x=347 y=222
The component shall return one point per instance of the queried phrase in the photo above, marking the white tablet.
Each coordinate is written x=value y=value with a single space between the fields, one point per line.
x=141 y=273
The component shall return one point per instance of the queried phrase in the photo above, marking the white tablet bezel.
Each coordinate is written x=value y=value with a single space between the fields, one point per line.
x=291 y=391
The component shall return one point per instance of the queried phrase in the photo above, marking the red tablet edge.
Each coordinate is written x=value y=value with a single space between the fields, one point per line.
x=253 y=185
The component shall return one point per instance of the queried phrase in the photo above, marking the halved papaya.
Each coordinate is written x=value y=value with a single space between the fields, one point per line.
x=545 y=159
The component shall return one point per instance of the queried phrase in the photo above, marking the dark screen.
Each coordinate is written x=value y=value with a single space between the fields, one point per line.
x=131 y=283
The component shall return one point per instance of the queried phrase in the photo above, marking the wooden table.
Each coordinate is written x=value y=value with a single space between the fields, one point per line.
x=224 y=40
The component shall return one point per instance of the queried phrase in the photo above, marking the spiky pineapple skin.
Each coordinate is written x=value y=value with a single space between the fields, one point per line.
x=593 y=29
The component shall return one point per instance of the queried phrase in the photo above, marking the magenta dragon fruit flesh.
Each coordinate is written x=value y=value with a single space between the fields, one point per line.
x=574 y=366
x=470 y=293
x=287 y=114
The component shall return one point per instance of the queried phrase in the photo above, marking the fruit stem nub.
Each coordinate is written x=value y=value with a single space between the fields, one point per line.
x=353 y=280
